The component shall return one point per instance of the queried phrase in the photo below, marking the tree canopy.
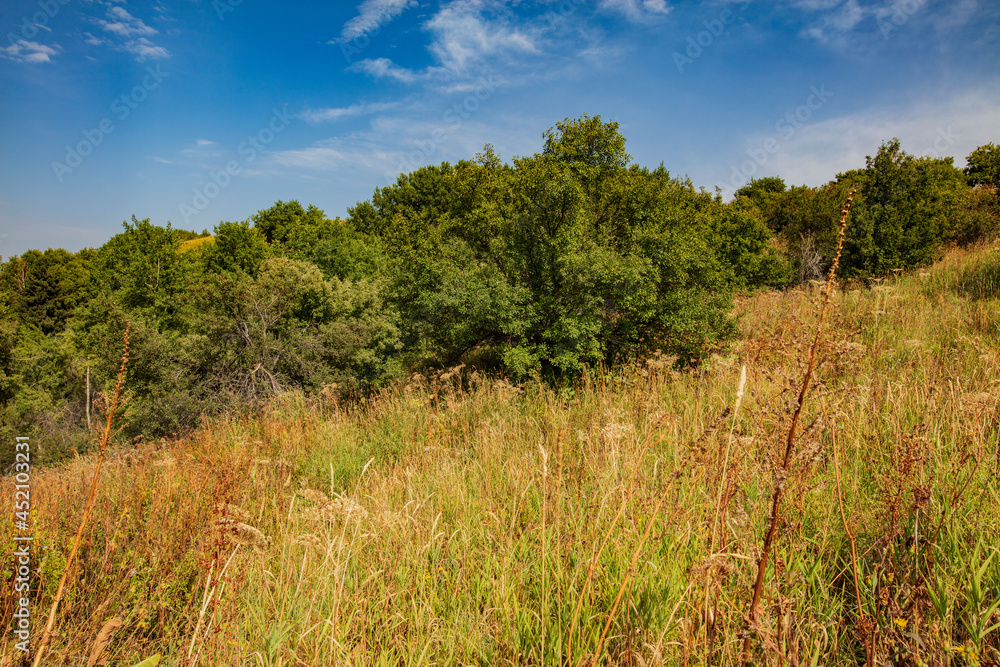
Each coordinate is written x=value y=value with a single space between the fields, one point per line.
x=536 y=266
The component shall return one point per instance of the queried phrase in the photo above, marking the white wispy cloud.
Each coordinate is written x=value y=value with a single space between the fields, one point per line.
x=336 y=113
x=383 y=68
x=143 y=48
x=201 y=149
x=127 y=33
x=952 y=125
x=464 y=36
x=467 y=38
x=23 y=51
x=372 y=14
x=813 y=5
x=124 y=24
x=314 y=158
x=357 y=152
x=637 y=11
x=395 y=144
x=860 y=25
x=840 y=20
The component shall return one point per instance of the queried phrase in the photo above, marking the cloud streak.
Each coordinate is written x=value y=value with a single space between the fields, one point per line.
x=124 y=24
x=334 y=114
x=819 y=151
x=637 y=11
x=372 y=15
x=129 y=34
x=24 y=51
x=468 y=37
x=383 y=68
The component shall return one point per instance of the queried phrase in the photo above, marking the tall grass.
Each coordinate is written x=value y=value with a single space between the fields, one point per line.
x=457 y=519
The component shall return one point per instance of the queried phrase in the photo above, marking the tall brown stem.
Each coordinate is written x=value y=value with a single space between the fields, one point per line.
x=105 y=436
x=782 y=475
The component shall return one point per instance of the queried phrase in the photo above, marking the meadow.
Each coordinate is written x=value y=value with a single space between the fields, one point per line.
x=458 y=519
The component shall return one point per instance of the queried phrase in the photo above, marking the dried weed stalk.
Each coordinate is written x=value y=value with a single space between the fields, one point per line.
x=116 y=402
x=782 y=472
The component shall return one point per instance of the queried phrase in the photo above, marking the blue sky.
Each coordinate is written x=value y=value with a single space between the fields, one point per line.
x=200 y=111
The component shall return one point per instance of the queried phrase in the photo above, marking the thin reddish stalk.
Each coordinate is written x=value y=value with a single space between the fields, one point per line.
x=779 y=486
x=47 y=633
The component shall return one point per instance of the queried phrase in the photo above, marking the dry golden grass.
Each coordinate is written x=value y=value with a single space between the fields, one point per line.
x=197 y=244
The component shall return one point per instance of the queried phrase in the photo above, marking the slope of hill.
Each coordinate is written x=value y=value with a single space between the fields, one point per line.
x=457 y=519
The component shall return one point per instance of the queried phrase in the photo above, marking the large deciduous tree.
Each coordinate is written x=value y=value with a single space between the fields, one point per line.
x=559 y=259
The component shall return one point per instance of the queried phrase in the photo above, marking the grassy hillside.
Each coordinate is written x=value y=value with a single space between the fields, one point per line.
x=457 y=519
x=195 y=244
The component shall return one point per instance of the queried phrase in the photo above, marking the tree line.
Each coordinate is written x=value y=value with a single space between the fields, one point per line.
x=539 y=266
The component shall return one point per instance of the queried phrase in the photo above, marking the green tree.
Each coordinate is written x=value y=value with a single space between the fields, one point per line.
x=586 y=141
x=560 y=259
x=745 y=245
x=237 y=247
x=337 y=249
x=281 y=220
x=904 y=214
x=761 y=190
x=805 y=221
x=290 y=328
x=983 y=166
x=143 y=270
x=45 y=288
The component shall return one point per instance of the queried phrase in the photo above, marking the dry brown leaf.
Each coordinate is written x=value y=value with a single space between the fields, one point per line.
x=102 y=642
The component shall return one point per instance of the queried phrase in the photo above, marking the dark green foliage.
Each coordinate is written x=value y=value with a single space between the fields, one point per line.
x=760 y=190
x=904 y=214
x=905 y=211
x=561 y=259
x=291 y=328
x=806 y=222
x=165 y=396
x=237 y=247
x=977 y=219
x=142 y=267
x=745 y=245
x=44 y=288
x=44 y=379
x=279 y=222
x=983 y=166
